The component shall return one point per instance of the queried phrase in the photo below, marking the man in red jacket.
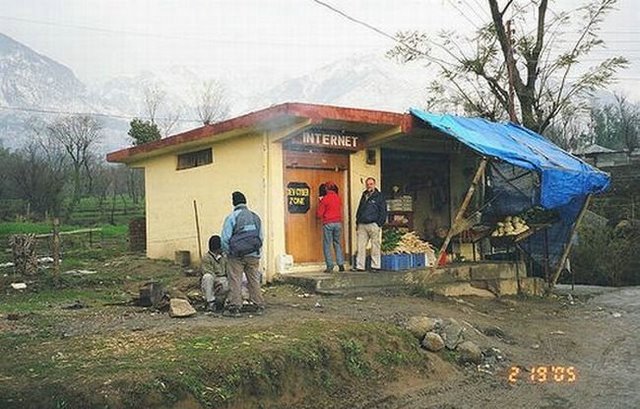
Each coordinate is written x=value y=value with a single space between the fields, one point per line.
x=330 y=211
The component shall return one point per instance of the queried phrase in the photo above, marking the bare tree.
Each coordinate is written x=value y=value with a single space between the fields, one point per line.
x=169 y=121
x=616 y=125
x=154 y=97
x=629 y=123
x=38 y=177
x=161 y=113
x=77 y=136
x=570 y=128
x=211 y=102
x=476 y=73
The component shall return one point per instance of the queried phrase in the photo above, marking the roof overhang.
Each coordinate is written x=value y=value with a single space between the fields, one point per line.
x=288 y=119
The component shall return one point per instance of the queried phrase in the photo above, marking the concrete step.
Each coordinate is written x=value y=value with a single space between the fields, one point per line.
x=336 y=283
x=479 y=279
x=533 y=286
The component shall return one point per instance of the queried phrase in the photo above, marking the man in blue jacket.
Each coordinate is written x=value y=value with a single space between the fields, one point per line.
x=371 y=215
x=242 y=241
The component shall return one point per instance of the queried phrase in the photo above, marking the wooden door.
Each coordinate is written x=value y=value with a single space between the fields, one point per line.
x=303 y=231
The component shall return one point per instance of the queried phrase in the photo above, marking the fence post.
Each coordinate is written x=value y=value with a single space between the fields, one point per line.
x=55 y=247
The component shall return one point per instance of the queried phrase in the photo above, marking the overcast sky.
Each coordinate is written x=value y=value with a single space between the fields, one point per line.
x=103 y=38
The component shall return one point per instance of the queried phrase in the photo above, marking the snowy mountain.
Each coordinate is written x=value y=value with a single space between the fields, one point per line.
x=29 y=80
x=370 y=81
x=31 y=83
x=33 y=80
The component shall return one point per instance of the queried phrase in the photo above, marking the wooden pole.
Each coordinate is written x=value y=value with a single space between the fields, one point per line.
x=55 y=247
x=195 y=209
x=463 y=206
x=567 y=248
x=510 y=66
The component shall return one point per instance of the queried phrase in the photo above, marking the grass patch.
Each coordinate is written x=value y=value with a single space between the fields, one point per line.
x=306 y=362
x=45 y=300
x=9 y=228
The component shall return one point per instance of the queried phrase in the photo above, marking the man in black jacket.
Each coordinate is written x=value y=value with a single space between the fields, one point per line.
x=371 y=215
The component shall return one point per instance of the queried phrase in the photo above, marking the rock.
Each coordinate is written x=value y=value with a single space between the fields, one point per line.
x=420 y=325
x=493 y=356
x=432 y=342
x=195 y=296
x=616 y=315
x=452 y=333
x=179 y=308
x=77 y=305
x=494 y=331
x=19 y=286
x=152 y=294
x=469 y=352
x=79 y=273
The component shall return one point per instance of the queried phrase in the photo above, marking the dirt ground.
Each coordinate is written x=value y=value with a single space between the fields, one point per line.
x=595 y=331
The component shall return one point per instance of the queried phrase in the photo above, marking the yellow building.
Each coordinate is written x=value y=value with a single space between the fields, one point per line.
x=278 y=157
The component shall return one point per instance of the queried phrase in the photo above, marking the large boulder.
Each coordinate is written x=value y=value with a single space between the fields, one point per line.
x=420 y=325
x=452 y=332
x=469 y=352
x=432 y=342
x=179 y=308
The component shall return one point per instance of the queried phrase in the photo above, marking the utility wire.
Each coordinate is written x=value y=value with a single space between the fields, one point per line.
x=100 y=114
x=482 y=19
x=481 y=7
x=383 y=33
x=463 y=14
x=161 y=36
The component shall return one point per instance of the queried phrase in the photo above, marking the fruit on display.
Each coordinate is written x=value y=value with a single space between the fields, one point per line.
x=510 y=226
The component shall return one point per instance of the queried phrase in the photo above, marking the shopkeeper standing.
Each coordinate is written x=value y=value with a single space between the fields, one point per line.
x=371 y=215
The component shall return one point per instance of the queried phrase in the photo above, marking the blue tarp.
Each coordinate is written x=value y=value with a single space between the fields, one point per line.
x=563 y=176
x=565 y=181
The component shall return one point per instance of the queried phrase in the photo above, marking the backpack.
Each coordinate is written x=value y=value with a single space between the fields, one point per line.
x=245 y=238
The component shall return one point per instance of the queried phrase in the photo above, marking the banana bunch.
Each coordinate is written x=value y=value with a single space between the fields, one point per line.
x=411 y=243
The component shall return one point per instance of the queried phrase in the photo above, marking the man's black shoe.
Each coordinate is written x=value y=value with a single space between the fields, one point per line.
x=233 y=312
x=341 y=268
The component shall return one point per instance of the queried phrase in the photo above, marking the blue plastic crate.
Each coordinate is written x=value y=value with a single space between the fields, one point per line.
x=393 y=262
x=406 y=261
x=419 y=260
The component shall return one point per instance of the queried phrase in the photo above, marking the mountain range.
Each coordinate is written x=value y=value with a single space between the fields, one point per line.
x=32 y=84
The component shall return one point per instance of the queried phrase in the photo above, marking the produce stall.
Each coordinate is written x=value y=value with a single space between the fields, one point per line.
x=403 y=250
x=519 y=176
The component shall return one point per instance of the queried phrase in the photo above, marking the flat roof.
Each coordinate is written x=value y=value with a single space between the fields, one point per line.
x=274 y=117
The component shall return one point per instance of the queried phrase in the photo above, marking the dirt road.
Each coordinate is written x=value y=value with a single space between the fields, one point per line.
x=599 y=338
x=590 y=340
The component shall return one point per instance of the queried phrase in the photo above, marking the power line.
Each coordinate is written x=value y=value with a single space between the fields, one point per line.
x=161 y=36
x=383 y=33
x=481 y=7
x=99 y=114
x=463 y=14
